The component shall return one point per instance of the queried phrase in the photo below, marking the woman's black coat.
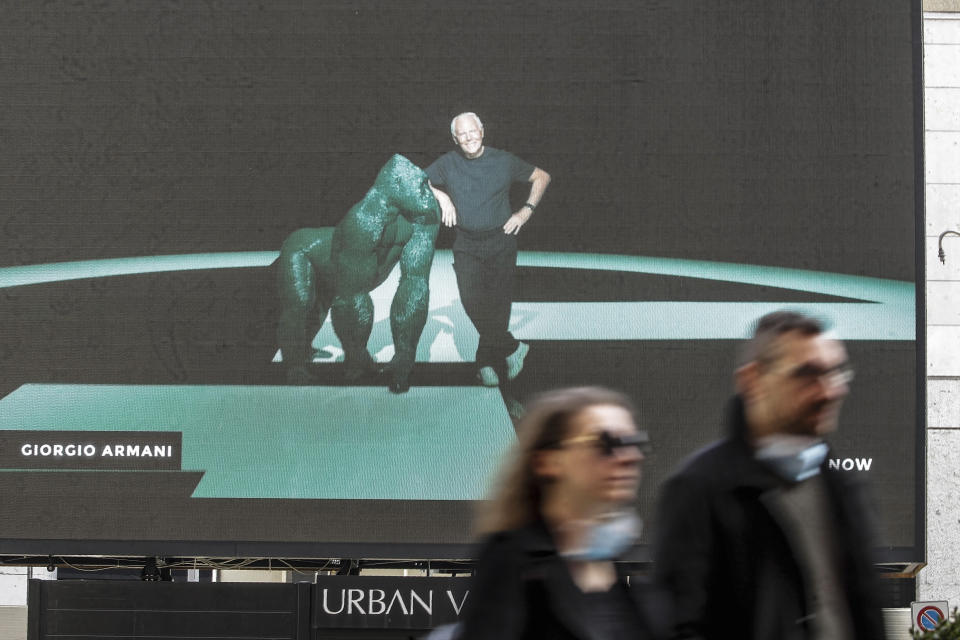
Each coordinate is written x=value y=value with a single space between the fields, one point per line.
x=524 y=589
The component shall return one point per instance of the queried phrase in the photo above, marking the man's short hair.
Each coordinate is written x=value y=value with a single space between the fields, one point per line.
x=453 y=122
x=770 y=327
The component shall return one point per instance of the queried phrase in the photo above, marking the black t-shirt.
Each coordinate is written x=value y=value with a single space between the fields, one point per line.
x=480 y=187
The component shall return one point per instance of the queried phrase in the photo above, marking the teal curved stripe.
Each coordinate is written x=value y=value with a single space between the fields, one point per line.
x=837 y=284
x=61 y=271
x=886 y=310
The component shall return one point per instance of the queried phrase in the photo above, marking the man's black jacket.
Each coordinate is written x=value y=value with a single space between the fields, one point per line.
x=729 y=565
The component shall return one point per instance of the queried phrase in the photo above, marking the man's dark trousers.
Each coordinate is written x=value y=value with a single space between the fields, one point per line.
x=485 y=263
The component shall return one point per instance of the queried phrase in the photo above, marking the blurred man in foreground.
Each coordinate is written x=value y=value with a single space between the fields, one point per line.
x=756 y=537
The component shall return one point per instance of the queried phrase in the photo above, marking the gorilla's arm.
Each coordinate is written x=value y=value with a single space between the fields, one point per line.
x=408 y=312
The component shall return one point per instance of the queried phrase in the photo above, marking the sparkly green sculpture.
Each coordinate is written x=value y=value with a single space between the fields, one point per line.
x=335 y=268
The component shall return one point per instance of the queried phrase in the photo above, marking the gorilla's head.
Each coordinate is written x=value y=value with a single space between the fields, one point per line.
x=406 y=185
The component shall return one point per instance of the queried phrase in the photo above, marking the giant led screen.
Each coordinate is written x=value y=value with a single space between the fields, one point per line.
x=187 y=188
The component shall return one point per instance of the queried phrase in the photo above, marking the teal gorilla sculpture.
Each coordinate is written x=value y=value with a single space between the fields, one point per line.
x=335 y=268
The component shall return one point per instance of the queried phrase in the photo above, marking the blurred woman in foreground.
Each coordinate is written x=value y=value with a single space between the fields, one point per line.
x=563 y=511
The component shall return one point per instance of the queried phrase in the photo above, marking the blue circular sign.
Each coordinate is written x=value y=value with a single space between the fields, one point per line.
x=929 y=617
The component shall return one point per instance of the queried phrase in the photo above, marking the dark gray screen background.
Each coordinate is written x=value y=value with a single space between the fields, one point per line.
x=771 y=133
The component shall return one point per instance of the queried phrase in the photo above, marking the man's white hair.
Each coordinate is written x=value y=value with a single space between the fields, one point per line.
x=453 y=122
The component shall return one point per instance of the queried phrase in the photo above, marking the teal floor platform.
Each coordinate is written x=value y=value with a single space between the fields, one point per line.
x=433 y=443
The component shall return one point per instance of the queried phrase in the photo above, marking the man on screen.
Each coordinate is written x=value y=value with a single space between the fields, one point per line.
x=756 y=537
x=477 y=180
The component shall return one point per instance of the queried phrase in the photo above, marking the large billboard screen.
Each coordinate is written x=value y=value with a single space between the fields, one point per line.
x=708 y=163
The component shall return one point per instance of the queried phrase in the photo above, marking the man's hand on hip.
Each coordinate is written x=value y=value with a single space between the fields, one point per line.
x=516 y=221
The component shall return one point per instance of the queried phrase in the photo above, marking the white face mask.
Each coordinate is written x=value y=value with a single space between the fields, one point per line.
x=609 y=537
x=794 y=458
